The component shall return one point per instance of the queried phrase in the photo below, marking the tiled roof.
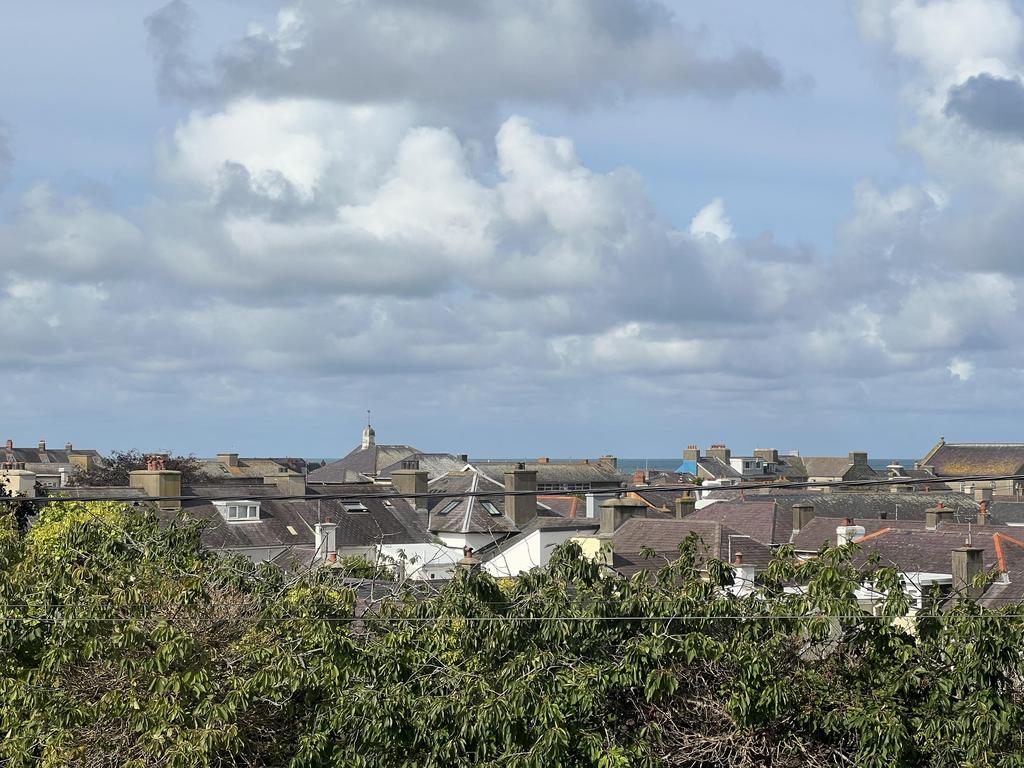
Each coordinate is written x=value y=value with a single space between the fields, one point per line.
x=1006 y=510
x=764 y=521
x=957 y=459
x=863 y=504
x=665 y=536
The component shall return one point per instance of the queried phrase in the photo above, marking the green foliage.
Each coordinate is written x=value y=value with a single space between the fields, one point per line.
x=116 y=469
x=123 y=643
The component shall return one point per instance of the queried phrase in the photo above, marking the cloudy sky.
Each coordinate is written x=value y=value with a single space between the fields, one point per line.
x=563 y=227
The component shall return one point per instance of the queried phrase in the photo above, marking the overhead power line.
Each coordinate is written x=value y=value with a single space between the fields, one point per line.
x=383 y=491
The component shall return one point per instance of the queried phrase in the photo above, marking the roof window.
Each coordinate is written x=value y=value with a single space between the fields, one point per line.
x=238 y=511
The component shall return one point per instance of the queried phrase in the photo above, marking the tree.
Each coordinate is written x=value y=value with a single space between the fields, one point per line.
x=123 y=643
x=116 y=470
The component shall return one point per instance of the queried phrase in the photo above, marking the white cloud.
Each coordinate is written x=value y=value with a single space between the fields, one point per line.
x=961 y=369
x=459 y=55
x=712 y=220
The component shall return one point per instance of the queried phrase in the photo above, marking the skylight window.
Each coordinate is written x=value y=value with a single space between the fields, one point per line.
x=491 y=509
x=352 y=505
x=449 y=507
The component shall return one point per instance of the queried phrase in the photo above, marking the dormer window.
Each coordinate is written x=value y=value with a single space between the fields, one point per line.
x=238 y=511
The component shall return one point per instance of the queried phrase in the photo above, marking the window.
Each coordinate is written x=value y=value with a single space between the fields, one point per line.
x=449 y=507
x=491 y=509
x=353 y=505
x=238 y=511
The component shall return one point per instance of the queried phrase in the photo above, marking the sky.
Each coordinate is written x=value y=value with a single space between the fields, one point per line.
x=550 y=227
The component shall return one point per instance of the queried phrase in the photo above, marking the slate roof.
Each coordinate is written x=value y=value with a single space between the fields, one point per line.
x=250 y=468
x=717 y=469
x=764 y=521
x=361 y=461
x=659 y=498
x=434 y=464
x=863 y=504
x=46 y=456
x=956 y=459
x=596 y=472
x=386 y=519
x=665 y=536
x=460 y=514
x=1006 y=510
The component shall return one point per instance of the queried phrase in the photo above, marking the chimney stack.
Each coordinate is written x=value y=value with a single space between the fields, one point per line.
x=157 y=480
x=615 y=512
x=936 y=516
x=639 y=477
x=231 y=459
x=468 y=563
x=719 y=451
x=543 y=460
x=859 y=458
x=983 y=512
x=692 y=453
x=326 y=540
x=68 y=447
x=802 y=515
x=521 y=509
x=968 y=562
x=982 y=494
x=412 y=482
x=42 y=445
x=685 y=506
x=743 y=574
x=609 y=461
x=768 y=454
x=288 y=483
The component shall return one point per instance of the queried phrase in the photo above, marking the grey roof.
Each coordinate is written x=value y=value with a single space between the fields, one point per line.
x=665 y=536
x=717 y=469
x=290 y=523
x=764 y=521
x=862 y=504
x=45 y=456
x=837 y=466
x=361 y=461
x=434 y=464
x=1006 y=510
x=959 y=459
x=552 y=472
x=250 y=468
x=461 y=514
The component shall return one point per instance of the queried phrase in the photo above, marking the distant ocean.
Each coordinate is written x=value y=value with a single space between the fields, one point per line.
x=628 y=465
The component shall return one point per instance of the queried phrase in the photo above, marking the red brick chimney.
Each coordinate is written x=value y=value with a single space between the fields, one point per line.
x=543 y=460
x=639 y=477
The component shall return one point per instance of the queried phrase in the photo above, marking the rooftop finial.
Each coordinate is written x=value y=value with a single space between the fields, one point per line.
x=369 y=436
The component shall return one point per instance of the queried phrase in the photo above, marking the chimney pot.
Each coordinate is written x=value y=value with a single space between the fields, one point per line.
x=983 y=512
